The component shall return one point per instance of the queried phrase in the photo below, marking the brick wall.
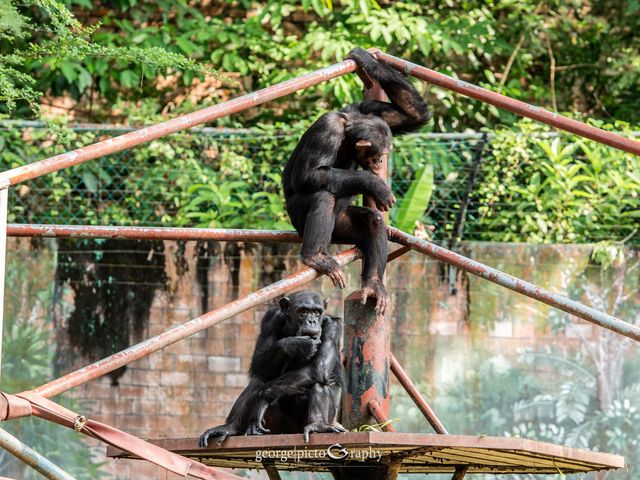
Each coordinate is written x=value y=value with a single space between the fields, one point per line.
x=190 y=386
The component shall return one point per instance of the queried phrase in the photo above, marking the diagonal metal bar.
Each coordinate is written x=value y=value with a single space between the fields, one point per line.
x=183 y=122
x=510 y=104
x=49 y=410
x=380 y=415
x=153 y=344
x=517 y=285
x=415 y=395
x=32 y=458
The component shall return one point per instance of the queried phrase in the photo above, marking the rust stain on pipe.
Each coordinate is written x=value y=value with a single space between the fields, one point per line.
x=510 y=104
x=415 y=395
x=517 y=285
x=183 y=122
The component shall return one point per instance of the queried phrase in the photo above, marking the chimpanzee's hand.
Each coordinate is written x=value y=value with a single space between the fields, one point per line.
x=383 y=196
x=219 y=433
x=309 y=347
x=300 y=346
x=361 y=57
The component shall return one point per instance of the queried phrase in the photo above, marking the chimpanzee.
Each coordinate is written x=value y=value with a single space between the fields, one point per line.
x=320 y=178
x=296 y=373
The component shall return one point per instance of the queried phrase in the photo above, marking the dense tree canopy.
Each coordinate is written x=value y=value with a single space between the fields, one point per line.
x=120 y=60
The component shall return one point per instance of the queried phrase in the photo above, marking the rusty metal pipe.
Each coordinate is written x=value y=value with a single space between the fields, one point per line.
x=510 y=104
x=378 y=413
x=152 y=233
x=513 y=283
x=183 y=122
x=153 y=344
x=32 y=458
x=416 y=396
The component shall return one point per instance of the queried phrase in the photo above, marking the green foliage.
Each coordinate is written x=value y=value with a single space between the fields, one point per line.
x=570 y=414
x=43 y=46
x=562 y=190
x=27 y=361
x=188 y=179
x=413 y=205
x=503 y=45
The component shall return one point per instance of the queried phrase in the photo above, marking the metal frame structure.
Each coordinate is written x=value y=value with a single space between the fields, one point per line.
x=36 y=401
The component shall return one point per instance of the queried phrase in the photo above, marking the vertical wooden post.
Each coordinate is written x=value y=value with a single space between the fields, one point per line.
x=367 y=344
x=366 y=335
x=367 y=350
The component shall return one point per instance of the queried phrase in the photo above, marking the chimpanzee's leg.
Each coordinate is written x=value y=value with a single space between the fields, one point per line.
x=314 y=217
x=239 y=418
x=323 y=411
x=289 y=384
x=365 y=228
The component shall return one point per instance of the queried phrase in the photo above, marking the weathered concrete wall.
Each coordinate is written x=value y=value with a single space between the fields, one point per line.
x=192 y=385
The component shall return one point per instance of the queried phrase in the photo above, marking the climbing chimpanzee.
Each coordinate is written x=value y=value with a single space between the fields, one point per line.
x=296 y=374
x=320 y=177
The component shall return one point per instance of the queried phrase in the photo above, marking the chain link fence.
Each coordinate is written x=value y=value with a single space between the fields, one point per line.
x=231 y=178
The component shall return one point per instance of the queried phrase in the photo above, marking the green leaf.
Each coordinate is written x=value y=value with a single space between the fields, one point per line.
x=84 y=79
x=128 y=78
x=69 y=71
x=415 y=202
x=90 y=181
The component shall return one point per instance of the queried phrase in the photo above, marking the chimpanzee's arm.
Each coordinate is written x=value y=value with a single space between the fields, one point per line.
x=407 y=111
x=313 y=159
x=272 y=354
x=328 y=368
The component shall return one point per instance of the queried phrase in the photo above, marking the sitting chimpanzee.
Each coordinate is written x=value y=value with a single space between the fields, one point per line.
x=320 y=178
x=296 y=374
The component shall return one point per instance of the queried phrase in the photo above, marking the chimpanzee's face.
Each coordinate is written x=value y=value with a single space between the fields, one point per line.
x=372 y=157
x=305 y=310
x=309 y=319
x=372 y=142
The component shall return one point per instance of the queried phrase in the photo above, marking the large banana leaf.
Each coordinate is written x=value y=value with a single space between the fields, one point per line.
x=416 y=200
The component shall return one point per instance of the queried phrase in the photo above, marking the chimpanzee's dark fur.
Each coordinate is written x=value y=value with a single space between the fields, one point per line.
x=321 y=177
x=296 y=374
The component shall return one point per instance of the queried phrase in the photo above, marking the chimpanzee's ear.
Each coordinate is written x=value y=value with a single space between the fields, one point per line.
x=284 y=304
x=325 y=302
x=363 y=144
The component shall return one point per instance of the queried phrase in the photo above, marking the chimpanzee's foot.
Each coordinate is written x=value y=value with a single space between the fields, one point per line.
x=375 y=289
x=257 y=428
x=219 y=433
x=321 y=427
x=327 y=265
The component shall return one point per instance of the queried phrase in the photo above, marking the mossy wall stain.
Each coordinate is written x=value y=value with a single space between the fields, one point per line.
x=114 y=283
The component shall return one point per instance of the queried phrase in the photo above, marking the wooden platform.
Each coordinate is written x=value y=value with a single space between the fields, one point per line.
x=416 y=453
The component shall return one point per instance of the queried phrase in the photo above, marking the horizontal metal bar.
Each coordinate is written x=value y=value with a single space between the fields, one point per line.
x=510 y=104
x=416 y=396
x=32 y=458
x=517 y=285
x=153 y=344
x=152 y=233
x=183 y=122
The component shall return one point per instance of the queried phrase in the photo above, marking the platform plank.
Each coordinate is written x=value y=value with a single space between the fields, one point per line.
x=418 y=453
